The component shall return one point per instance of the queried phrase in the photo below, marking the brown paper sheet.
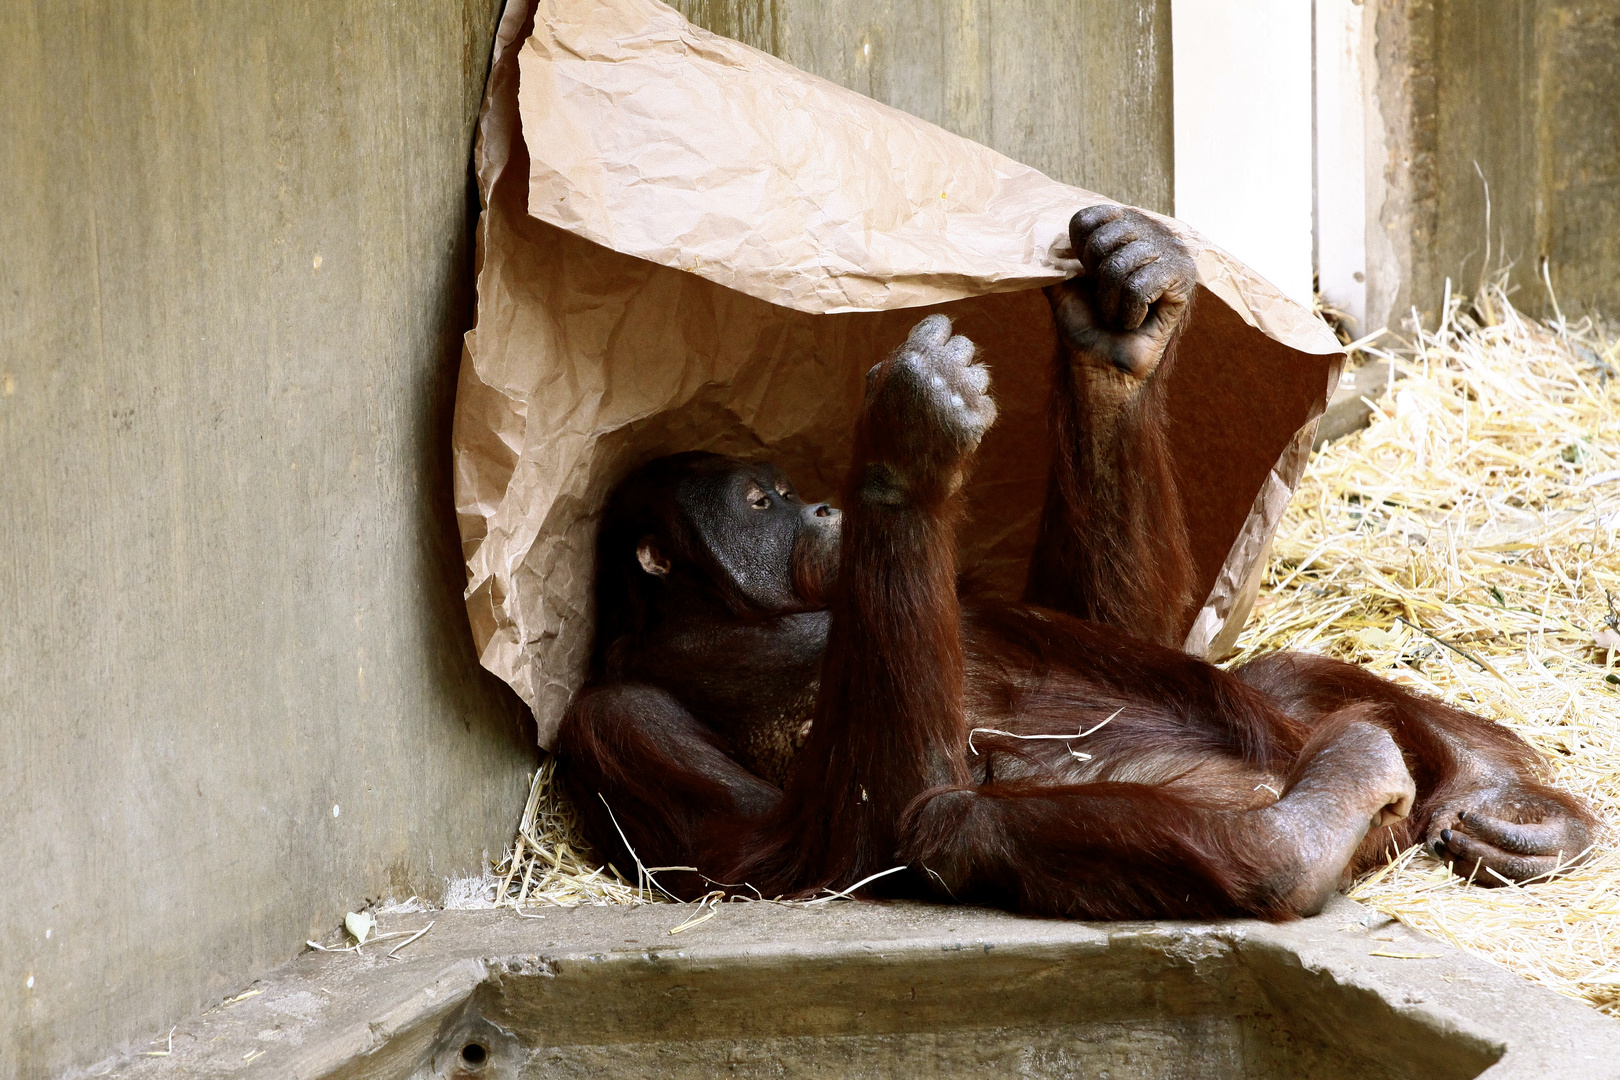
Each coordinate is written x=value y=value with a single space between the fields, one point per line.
x=688 y=244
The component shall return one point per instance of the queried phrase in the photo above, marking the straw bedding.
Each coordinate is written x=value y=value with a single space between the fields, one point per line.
x=1462 y=544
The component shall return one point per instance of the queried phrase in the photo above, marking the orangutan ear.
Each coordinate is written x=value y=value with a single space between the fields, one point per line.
x=651 y=560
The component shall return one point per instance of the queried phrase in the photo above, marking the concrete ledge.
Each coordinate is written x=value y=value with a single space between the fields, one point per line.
x=890 y=990
x=1348 y=410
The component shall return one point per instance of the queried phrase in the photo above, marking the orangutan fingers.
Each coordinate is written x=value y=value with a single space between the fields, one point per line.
x=1087 y=221
x=1108 y=239
x=1119 y=303
x=1148 y=286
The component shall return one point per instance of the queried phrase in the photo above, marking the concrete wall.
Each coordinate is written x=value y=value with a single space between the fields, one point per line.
x=237 y=689
x=1526 y=88
x=1080 y=91
x=1529 y=92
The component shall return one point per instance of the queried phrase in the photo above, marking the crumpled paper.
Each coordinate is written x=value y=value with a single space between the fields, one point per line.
x=689 y=244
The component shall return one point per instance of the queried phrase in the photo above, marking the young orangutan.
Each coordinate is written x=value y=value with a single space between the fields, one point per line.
x=795 y=699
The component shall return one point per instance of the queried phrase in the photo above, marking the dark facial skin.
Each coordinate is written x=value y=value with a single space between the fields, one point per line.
x=732 y=586
x=750 y=521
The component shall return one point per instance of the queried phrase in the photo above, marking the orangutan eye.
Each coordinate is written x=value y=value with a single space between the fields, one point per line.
x=762 y=503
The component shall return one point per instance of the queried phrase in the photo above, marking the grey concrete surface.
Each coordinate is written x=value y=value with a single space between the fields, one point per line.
x=237 y=686
x=1350 y=408
x=1522 y=95
x=887 y=990
x=1080 y=91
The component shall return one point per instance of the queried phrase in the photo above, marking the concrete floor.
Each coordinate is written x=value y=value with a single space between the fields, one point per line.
x=858 y=989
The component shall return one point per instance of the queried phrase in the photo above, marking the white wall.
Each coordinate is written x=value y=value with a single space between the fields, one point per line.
x=1341 y=158
x=1243 y=116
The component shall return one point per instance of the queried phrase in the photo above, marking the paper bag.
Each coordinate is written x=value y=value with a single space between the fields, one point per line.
x=689 y=244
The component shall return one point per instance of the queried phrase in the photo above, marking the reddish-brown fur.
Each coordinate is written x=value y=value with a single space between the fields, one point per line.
x=1206 y=793
x=1106 y=506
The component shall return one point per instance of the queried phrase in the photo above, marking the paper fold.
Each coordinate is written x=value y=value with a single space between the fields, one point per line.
x=689 y=244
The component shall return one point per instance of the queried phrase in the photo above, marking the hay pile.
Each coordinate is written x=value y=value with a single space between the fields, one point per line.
x=1462 y=545
x=550 y=862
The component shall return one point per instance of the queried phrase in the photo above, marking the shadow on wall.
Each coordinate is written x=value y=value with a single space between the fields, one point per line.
x=441 y=567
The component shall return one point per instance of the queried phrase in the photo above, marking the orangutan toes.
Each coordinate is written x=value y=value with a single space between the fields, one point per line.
x=1510 y=833
x=927 y=407
x=934 y=382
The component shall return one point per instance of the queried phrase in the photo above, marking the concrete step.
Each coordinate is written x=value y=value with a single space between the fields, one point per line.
x=900 y=989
